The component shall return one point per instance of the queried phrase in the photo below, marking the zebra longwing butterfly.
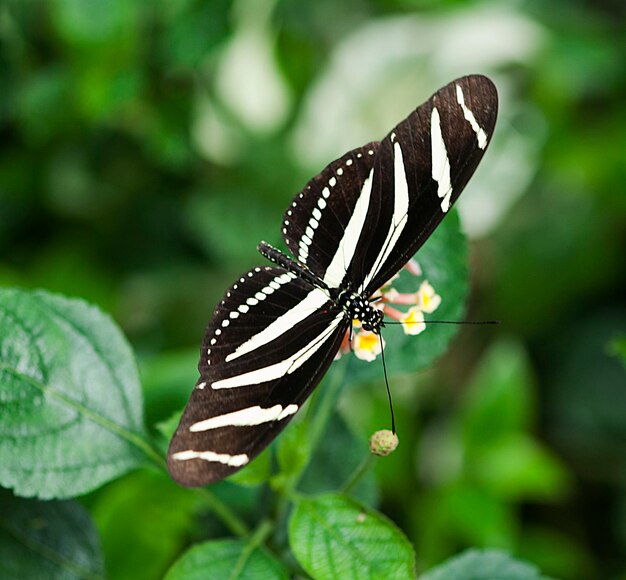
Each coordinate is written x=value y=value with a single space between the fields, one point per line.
x=278 y=328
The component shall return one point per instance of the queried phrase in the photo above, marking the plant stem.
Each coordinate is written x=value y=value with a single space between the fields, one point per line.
x=262 y=531
x=318 y=415
x=358 y=474
x=325 y=408
x=231 y=520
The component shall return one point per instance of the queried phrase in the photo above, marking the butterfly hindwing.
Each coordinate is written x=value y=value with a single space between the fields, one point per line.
x=266 y=347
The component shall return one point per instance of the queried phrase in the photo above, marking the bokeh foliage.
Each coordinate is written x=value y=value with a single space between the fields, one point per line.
x=147 y=147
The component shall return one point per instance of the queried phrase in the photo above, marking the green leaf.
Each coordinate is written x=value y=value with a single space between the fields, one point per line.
x=500 y=398
x=96 y=21
x=145 y=520
x=294 y=450
x=70 y=401
x=483 y=565
x=444 y=263
x=47 y=540
x=517 y=468
x=556 y=552
x=167 y=428
x=333 y=536
x=462 y=515
x=230 y=559
x=190 y=30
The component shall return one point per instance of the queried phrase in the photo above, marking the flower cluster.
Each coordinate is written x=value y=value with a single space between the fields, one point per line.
x=365 y=344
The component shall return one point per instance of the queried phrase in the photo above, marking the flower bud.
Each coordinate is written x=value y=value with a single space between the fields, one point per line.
x=383 y=442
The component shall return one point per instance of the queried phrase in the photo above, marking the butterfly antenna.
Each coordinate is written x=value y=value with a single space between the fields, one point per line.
x=382 y=352
x=469 y=322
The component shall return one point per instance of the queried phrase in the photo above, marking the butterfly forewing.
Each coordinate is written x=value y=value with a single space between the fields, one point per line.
x=421 y=169
x=266 y=347
x=317 y=218
x=367 y=213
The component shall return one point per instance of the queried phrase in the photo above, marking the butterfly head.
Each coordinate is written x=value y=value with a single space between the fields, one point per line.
x=359 y=308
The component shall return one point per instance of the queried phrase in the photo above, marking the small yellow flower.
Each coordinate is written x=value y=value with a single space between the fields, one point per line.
x=413 y=321
x=427 y=299
x=366 y=345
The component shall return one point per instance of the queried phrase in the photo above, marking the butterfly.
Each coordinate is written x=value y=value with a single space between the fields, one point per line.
x=278 y=328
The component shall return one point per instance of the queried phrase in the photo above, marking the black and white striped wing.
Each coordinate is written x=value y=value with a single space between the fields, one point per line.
x=266 y=347
x=400 y=192
x=319 y=215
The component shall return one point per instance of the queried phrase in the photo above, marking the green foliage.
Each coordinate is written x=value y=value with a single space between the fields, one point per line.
x=618 y=348
x=148 y=512
x=338 y=458
x=70 y=397
x=333 y=536
x=496 y=413
x=231 y=559
x=494 y=461
x=54 y=539
x=134 y=175
x=483 y=565
x=258 y=472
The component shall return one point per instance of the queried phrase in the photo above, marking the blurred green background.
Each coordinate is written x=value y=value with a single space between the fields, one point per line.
x=147 y=147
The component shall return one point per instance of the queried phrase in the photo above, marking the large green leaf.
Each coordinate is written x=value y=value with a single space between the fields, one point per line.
x=147 y=511
x=70 y=401
x=53 y=540
x=228 y=559
x=333 y=536
x=483 y=565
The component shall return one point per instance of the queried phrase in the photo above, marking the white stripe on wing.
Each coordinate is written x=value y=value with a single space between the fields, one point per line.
x=338 y=266
x=231 y=460
x=481 y=136
x=286 y=366
x=256 y=415
x=314 y=300
x=440 y=161
x=400 y=212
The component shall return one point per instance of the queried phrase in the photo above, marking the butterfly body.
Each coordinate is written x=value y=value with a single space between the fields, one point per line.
x=355 y=306
x=353 y=226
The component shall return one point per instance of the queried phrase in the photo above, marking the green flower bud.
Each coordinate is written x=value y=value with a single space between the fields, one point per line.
x=383 y=442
